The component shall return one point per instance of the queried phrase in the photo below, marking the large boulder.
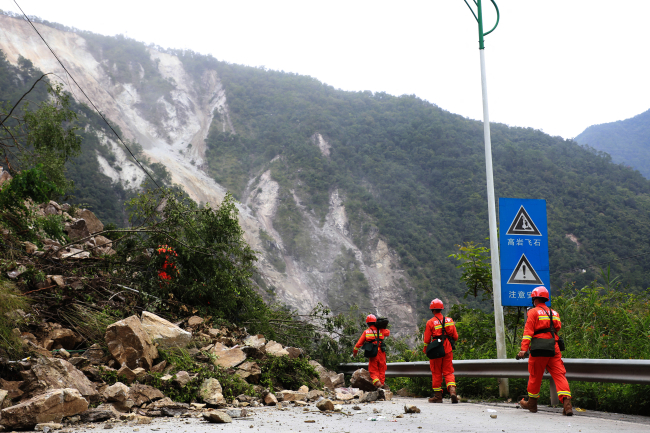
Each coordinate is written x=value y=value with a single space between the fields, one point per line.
x=226 y=357
x=211 y=392
x=329 y=379
x=130 y=345
x=249 y=371
x=92 y=222
x=51 y=406
x=141 y=394
x=361 y=379
x=275 y=349
x=165 y=333
x=256 y=341
x=217 y=416
x=55 y=373
x=63 y=337
x=77 y=230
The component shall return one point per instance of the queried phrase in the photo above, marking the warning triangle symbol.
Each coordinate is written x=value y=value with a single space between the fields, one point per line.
x=524 y=273
x=523 y=225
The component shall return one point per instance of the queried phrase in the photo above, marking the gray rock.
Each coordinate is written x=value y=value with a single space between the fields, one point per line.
x=130 y=345
x=369 y=396
x=237 y=413
x=211 y=392
x=411 y=409
x=182 y=379
x=361 y=379
x=98 y=414
x=54 y=373
x=217 y=416
x=325 y=404
x=93 y=224
x=50 y=406
x=165 y=333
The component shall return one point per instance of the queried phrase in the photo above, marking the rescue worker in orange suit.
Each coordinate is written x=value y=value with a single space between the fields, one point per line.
x=539 y=319
x=442 y=366
x=376 y=364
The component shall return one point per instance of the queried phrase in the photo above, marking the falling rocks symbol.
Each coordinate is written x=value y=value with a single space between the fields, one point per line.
x=523 y=224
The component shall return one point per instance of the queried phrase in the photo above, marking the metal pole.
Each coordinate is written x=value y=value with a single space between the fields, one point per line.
x=494 y=244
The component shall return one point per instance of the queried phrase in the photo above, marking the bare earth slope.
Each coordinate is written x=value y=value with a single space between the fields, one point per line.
x=176 y=139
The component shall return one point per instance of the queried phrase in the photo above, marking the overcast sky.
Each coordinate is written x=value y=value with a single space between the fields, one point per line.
x=555 y=65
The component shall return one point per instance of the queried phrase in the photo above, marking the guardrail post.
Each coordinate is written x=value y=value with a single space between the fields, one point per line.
x=554 y=398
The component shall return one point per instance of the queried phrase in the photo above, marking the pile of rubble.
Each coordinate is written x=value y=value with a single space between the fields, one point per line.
x=82 y=228
x=58 y=386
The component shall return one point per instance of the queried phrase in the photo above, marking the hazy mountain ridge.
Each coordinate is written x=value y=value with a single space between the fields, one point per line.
x=627 y=141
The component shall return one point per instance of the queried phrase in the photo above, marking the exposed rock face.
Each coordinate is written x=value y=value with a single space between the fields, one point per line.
x=130 y=345
x=54 y=373
x=211 y=392
x=51 y=406
x=361 y=379
x=163 y=332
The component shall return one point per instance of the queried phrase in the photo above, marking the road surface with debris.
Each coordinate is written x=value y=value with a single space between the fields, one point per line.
x=389 y=416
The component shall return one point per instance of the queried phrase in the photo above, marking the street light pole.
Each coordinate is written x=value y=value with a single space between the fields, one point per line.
x=494 y=244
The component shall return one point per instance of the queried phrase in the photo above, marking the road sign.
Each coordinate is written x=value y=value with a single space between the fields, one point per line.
x=523 y=244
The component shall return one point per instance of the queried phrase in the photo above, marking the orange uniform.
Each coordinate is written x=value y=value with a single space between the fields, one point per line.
x=376 y=364
x=538 y=319
x=442 y=366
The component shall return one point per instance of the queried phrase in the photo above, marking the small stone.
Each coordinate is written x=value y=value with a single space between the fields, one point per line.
x=325 y=405
x=303 y=389
x=411 y=409
x=493 y=415
x=108 y=426
x=310 y=421
x=356 y=408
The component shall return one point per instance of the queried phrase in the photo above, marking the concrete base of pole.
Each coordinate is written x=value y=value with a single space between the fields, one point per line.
x=504 y=390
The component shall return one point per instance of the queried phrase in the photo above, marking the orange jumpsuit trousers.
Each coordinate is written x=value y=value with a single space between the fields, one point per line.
x=376 y=364
x=442 y=366
x=541 y=318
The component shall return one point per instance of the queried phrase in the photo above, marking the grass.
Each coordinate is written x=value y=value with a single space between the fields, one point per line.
x=90 y=323
x=11 y=300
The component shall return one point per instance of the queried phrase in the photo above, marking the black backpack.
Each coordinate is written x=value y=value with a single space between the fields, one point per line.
x=436 y=348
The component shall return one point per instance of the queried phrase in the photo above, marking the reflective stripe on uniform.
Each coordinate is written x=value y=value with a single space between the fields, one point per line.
x=451 y=384
x=437 y=389
x=564 y=393
x=527 y=337
x=533 y=395
x=449 y=324
x=375 y=380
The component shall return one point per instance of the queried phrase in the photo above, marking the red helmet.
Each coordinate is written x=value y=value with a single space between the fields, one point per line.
x=540 y=292
x=436 y=304
x=371 y=318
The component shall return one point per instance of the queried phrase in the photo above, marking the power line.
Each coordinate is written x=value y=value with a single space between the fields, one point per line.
x=87 y=97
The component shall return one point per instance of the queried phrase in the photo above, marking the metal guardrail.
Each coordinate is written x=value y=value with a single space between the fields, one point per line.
x=582 y=370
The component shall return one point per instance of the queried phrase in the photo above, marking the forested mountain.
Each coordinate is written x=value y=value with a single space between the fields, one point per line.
x=351 y=197
x=627 y=141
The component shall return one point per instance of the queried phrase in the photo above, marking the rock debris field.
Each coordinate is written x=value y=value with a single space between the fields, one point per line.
x=390 y=417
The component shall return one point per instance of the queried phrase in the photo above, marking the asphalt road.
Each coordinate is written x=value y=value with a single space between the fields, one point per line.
x=462 y=417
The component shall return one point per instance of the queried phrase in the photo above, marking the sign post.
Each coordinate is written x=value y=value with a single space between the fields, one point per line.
x=494 y=245
x=524 y=249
